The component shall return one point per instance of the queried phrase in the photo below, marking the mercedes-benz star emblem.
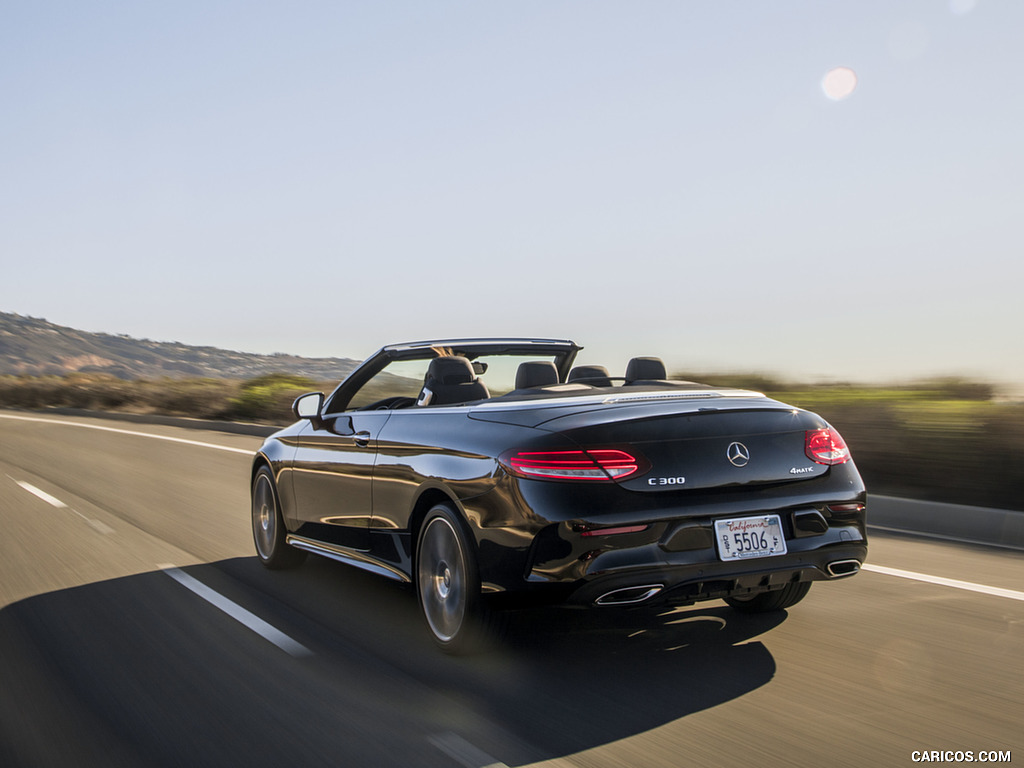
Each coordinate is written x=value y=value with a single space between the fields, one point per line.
x=738 y=454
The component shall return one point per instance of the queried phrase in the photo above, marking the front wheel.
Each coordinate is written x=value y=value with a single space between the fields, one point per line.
x=268 y=531
x=448 y=583
x=776 y=600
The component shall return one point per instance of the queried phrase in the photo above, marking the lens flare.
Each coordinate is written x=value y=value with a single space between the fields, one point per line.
x=839 y=83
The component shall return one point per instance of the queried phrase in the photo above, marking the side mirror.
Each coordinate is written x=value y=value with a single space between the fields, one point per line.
x=308 y=406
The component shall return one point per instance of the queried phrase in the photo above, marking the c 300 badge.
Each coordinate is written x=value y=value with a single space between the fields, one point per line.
x=666 y=480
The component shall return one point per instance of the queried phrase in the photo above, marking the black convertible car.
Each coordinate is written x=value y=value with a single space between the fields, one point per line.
x=491 y=473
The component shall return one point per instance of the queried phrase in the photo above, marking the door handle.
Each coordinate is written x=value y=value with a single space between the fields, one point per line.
x=362 y=438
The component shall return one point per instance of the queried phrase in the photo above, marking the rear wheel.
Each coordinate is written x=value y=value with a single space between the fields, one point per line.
x=448 y=583
x=268 y=530
x=776 y=600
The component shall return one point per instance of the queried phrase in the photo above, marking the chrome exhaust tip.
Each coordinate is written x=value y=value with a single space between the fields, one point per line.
x=629 y=595
x=840 y=568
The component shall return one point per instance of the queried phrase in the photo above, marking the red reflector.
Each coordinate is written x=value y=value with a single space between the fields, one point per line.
x=826 y=446
x=595 y=464
x=852 y=507
x=613 y=531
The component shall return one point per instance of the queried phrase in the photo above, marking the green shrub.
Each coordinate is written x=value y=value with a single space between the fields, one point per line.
x=269 y=397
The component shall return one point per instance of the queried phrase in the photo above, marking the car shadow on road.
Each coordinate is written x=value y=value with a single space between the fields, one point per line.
x=139 y=671
x=559 y=680
x=586 y=678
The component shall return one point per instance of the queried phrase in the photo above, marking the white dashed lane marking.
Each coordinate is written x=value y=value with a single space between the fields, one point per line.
x=237 y=612
x=463 y=752
x=53 y=501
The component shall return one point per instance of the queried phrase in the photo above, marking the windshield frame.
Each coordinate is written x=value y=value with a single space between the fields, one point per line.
x=563 y=352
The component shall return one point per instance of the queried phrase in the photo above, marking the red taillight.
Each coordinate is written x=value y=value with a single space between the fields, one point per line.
x=594 y=464
x=826 y=446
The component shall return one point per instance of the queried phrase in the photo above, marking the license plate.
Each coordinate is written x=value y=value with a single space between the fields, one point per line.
x=747 y=537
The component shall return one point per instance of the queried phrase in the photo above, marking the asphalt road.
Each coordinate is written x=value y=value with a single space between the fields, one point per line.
x=115 y=543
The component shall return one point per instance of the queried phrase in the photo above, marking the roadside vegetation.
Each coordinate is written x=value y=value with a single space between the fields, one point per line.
x=947 y=439
x=951 y=440
x=264 y=399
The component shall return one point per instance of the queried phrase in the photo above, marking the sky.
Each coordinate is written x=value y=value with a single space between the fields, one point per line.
x=662 y=178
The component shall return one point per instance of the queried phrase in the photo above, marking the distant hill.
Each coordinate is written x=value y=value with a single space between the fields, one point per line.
x=33 y=346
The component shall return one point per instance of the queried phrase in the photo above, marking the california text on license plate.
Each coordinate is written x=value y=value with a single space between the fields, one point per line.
x=745 y=537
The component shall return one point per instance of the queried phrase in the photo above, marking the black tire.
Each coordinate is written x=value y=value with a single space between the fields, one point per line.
x=268 y=529
x=448 y=583
x=776 y=600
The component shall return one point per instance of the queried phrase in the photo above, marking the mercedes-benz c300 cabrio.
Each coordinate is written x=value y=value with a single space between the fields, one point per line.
x=492 y=473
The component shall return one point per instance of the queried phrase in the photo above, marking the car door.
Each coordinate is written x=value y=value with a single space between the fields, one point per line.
x=332 y=477
x=333 y=468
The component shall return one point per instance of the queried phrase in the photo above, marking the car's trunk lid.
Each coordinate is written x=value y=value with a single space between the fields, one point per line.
x=710 y=449
x=692 y=443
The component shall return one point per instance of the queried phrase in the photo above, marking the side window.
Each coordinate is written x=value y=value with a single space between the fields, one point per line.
x=402 y=378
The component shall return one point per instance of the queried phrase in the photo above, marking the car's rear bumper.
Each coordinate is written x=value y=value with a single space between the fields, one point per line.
x=670 y=554
x=684 y=584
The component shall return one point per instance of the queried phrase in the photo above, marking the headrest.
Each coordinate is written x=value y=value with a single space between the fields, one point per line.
x=537 y=373
x=451 y=380
x=645 y=368
x=450 y=370
x=594 y=375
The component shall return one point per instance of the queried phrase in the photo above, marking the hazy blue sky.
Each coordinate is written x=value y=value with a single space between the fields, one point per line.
x=662 y=178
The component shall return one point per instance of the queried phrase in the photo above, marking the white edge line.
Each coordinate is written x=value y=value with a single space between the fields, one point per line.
x=942 y=581
x=128 y=432
x=237 y=612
